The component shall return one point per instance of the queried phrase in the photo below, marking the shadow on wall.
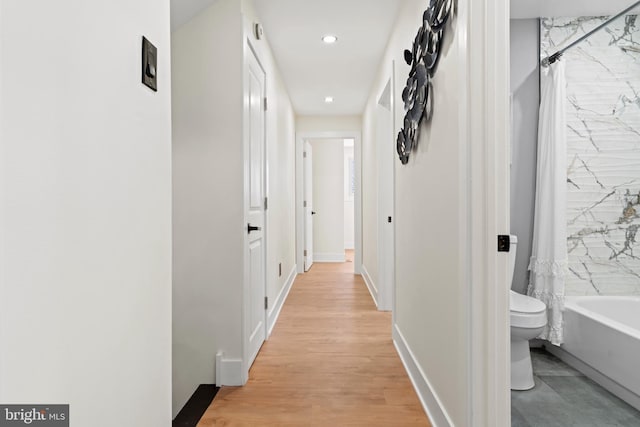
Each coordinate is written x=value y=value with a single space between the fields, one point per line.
x=525 y=100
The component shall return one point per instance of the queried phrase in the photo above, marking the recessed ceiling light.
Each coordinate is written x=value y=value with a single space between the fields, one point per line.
x=328 y=99
x=329 y=39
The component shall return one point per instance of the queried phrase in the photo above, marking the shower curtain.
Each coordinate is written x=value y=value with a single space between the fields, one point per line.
x=548 y=262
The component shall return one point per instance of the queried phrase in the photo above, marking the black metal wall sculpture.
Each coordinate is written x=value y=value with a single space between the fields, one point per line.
x=423 y=59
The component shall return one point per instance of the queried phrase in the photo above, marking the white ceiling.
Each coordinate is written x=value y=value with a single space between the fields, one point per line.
x=311 y=69
x=521 y=9
x=345 y=70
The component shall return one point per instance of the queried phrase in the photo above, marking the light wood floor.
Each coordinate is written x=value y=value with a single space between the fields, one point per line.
x=329 y=362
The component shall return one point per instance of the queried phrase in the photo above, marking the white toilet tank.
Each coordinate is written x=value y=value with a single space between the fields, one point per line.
x=512 y=254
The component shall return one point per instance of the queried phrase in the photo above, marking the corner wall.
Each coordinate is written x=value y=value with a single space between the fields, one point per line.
x=209 y=193
x=85 y=252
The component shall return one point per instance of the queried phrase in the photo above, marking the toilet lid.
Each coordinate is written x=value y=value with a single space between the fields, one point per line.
x=525 y=304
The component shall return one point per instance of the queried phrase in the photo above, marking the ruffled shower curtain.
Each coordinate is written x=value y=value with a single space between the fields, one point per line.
x=548 y=263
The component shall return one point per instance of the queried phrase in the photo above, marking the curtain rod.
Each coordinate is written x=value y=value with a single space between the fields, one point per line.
x=553 y=58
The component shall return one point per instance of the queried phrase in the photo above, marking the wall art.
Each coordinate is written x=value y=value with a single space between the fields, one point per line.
x=423 y=59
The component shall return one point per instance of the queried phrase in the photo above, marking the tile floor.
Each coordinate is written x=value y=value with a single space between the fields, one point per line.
x=563 y=397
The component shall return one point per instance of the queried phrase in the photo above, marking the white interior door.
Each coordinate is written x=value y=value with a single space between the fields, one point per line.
x=308 y=206
x=256 y=213
x=386 y=228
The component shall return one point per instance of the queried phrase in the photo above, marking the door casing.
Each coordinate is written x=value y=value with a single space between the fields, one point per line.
x=248 y=303
x=308 y=209
x=385 y=146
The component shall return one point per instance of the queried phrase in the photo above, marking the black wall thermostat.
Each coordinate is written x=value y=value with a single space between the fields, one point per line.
x=149 y=64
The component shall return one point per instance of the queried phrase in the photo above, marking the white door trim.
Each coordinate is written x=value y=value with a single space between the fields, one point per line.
x=386 y=207
x=394 y=129
x=307 y=167
x=484 y=84
x=300 y=138
x=246 y=134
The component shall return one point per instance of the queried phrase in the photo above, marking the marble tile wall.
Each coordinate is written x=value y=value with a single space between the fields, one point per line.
x=603 y=119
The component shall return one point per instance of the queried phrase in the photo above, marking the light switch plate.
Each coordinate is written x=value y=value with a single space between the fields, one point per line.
x=149 y=64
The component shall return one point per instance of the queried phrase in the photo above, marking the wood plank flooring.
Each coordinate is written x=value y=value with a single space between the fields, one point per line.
x=329 y=362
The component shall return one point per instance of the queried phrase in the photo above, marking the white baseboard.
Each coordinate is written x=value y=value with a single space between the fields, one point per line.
x=349 y=245
x=274 y=312
x=329 y=257
x=370 y=285
x=229 y=371
x=427 y=395
x=622 y=392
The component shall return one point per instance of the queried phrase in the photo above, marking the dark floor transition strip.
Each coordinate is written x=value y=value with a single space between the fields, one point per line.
x=193 y=410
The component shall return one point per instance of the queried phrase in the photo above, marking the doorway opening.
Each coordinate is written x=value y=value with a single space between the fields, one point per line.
x=328 y=200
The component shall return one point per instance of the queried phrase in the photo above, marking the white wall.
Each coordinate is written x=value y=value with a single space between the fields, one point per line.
x=328 y=199
x=85 y=290
x=349 y=198
x=281 y=221
x=328 y=123
x=429 y=276
x=525 y=90
x=430 y=317
x=207 y=195
x=208 y=190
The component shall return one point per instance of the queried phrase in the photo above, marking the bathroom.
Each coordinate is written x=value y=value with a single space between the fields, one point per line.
x=576 y=214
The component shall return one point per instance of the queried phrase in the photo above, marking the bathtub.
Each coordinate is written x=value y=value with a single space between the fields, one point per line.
x=602 y=340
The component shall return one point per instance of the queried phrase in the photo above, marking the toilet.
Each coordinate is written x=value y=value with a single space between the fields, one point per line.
x=528 y=318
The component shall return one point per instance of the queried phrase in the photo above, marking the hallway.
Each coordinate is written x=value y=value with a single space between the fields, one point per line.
x=153 y=218
x=330 y=361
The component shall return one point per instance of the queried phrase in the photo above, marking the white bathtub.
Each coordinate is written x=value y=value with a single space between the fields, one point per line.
x=602 y=340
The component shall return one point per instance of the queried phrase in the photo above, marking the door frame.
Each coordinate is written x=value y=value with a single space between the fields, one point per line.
x=357 y=153
x=386 y=291
x=249 y=49
x=307 y=161
x=484 y=83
